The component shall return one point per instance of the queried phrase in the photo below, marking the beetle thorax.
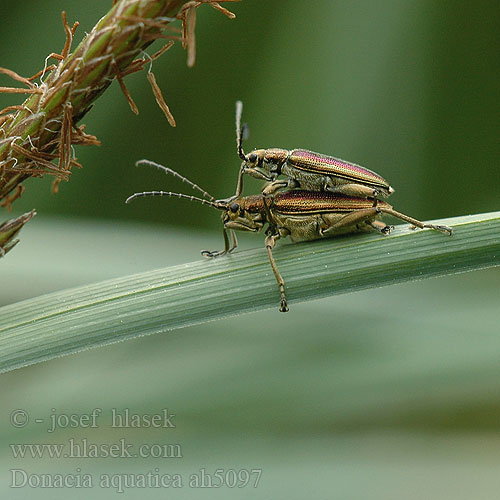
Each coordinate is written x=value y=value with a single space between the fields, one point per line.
x=276 y=156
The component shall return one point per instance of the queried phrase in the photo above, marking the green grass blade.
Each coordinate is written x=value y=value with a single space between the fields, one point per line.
x=165 y=299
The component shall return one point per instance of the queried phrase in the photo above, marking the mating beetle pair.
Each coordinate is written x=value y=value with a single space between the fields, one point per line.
x=318 y=197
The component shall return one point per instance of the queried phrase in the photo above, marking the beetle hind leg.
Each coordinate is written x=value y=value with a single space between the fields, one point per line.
x=357 y=190
x=381 y=227
x=350 y=221
x=416 y=223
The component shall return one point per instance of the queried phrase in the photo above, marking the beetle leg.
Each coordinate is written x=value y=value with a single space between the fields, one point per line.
x=239 y=184
x=272 y=187
x=381 y=227
x=228 y=248
x=234 y=241
x=270 y=242
x=352 y=190
x=415 y=222
x=350 y=219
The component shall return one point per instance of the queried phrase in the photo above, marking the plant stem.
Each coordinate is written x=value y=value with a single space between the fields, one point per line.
x=72 y=320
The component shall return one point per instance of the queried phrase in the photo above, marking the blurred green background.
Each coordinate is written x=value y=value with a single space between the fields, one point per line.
x=381 y=394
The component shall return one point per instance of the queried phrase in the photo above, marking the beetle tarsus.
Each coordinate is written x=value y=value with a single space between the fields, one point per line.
x=211 y=254
x=379 y=226
x=414 y=222
x=442 y=228
x=284 y=304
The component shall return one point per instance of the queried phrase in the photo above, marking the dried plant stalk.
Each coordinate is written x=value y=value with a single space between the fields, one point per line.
x=43 y=128
x=10 y=229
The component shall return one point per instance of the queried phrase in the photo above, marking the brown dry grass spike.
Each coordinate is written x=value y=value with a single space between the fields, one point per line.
x=34 y=135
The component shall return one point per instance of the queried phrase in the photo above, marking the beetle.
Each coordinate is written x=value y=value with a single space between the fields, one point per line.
x=306 y=170
x=301 y=215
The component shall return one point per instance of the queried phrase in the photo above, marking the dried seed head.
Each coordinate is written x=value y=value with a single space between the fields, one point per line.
x=43 y=129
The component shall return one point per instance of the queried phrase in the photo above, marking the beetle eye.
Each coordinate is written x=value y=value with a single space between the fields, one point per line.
x=234 y=207
x=252 y=157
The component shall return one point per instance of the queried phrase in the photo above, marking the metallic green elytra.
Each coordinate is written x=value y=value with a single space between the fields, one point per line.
x=301 y=215
x=307 y=170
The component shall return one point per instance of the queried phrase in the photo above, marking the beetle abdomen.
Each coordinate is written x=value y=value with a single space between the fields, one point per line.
x=309 y=202
x=309 y=161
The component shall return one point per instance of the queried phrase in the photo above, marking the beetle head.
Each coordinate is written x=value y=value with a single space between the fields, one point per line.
x=257 y=164
x=244 y=214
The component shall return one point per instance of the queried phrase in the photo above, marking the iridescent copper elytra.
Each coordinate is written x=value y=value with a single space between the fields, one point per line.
x=302 y=215
x=307 y=170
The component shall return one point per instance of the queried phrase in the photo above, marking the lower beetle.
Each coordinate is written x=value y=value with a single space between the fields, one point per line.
x=302 y=215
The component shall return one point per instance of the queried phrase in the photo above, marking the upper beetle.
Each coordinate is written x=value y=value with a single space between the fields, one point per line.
x=307 y=170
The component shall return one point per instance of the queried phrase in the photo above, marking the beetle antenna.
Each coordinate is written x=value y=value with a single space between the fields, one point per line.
x=240 y=131
x=216 y=204
x=175 y=174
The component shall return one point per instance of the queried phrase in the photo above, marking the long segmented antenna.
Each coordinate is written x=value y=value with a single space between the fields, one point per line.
x=175 y=174
x=216 y=204
x=240 y=131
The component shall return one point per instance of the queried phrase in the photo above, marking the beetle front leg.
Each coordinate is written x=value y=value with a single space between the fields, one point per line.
x=239 y=184
x=270 y=243
x=228 y=247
